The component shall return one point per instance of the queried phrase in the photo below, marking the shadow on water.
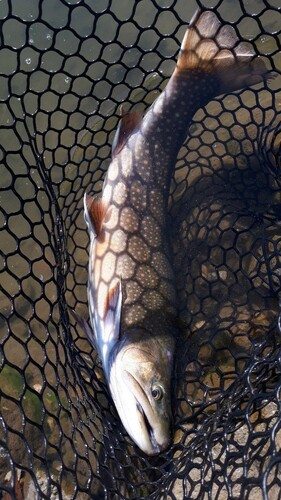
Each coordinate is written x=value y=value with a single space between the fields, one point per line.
x=226 y=234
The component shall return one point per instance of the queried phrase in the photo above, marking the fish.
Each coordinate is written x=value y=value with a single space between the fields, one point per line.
x=132 y=296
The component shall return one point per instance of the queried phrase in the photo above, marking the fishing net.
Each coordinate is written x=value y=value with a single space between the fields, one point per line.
x=65 y=68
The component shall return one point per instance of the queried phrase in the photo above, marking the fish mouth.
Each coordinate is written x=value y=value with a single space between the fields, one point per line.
x=145 y=410
x=154 y=444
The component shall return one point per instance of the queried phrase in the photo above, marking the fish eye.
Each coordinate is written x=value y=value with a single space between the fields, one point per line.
x=156 y=392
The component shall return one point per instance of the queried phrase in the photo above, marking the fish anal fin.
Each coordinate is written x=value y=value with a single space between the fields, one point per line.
x=128 y=122
x=112 y=312
x=95 y=211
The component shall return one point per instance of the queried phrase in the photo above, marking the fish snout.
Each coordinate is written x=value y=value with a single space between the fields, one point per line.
x=158 y=439
x=162 y=433
x=156 y=426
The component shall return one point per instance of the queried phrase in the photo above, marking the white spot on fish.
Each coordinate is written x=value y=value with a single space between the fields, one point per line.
x=147 y=277
x=151 y=231
x=126 y=266
x=138 y=249
x=126 y=162
x=133 y=292
x=108 y=267
x=153 y=300
x=113 y=172
x=118 y=241
x=138 y=196
x=129 y=220
x=113 y=220
x=135 y=314
x=120 y=193
x=161 y=264
x=107 y=192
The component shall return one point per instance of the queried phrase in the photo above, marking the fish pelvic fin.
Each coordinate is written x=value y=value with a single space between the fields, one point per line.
x=95 y=210
x=84 y=325
x=128 y=122
x=112 y=313
x=213 y=48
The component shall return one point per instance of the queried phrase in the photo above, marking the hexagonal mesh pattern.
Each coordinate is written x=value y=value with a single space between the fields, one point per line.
x=65 y=67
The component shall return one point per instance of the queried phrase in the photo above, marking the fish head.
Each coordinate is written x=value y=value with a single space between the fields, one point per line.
x=140 y=384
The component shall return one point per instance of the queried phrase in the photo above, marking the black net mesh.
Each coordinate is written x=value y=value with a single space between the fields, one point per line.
x=65 y=67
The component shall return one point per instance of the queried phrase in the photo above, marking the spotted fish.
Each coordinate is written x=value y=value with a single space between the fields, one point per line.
x=131 y=288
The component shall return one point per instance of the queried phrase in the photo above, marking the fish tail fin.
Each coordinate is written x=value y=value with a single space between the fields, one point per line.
x=213 y=48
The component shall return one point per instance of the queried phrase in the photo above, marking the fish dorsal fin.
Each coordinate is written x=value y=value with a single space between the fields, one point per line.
x=94 y=212
x=128 y=122
x=112 y=313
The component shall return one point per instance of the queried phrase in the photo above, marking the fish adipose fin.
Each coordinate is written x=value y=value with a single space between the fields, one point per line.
x=84 y=325
x=128 y=122
x=211 y=47
x=95 y=210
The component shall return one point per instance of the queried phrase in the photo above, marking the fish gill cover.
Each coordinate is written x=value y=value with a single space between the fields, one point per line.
x=65 y=68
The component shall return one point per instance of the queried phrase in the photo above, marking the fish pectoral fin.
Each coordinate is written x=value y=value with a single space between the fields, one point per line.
x=112 y=313
x=84 y=325
x=128 y=122
x=95 y=210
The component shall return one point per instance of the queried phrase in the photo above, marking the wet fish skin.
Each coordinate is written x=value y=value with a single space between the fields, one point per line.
x=131 y=290
x=138 y=376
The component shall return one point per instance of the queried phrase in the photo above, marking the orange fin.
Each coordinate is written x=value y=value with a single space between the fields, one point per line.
x=129 y=121
x=95 y=210
x=211 y=47
x=112 y=297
